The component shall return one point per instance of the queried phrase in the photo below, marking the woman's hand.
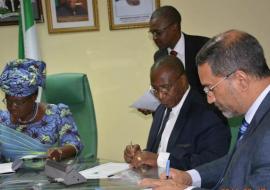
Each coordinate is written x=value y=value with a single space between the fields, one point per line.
x=55 y=154
x=60 y=153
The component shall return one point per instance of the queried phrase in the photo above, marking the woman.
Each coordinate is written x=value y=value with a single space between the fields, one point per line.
x=38 y=128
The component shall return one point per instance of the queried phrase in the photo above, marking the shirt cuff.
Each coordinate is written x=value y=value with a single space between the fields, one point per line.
x=196 y=178
x=162 y=159
x=190 y=187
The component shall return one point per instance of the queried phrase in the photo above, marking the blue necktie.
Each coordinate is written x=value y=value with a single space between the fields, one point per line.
x=241 y=133
x=242 y=129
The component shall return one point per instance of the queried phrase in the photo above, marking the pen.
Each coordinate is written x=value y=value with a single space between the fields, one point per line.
x=168 y=169
x=132 y=148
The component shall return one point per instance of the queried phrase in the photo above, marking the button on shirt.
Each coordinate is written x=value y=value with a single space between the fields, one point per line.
x=180 y=49
x=196 y=178
x=163 y=155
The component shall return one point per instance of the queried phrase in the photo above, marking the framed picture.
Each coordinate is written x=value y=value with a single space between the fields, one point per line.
x=125 y=14
x=72 y=15
x=10 y=10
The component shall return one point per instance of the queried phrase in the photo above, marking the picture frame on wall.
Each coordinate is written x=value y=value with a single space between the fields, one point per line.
x=126 y=14
x=10 y=11
x=72 y=15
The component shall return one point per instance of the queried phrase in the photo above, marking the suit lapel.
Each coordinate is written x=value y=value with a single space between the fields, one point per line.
x=155 y=127
x=180 y=122
x=188 y=50
x=260 y=113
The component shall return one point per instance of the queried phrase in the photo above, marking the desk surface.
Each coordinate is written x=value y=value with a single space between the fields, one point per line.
x=35 y=179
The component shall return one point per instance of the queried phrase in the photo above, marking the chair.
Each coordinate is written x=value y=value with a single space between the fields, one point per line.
x=234 y=124
x=73 y=90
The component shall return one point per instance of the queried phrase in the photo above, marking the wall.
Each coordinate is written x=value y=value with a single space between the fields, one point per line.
x=117 y=62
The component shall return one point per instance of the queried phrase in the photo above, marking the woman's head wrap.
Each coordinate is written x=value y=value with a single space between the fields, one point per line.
x=22 y=77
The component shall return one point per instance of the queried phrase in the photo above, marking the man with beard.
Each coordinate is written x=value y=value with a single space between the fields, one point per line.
x=233 y=70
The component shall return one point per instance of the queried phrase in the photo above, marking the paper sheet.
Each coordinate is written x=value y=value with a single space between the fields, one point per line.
x=104 y=170
x=32 y=156
x=6 y=168
x=147 y=101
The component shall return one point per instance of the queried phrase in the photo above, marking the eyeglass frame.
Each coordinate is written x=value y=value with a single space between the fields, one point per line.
x=4 y=100
x=164 y=90
x=159 y=32
x=208 y=89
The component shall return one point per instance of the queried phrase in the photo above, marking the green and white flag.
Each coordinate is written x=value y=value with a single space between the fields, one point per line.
x=28 y=45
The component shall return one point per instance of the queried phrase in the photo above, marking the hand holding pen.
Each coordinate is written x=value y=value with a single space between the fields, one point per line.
x=131 y=151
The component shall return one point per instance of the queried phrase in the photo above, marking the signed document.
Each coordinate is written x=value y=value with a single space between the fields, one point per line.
x=147 y=101
x=104 y=170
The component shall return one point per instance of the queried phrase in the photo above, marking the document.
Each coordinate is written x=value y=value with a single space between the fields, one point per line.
x=104 y=170
x=147 y=101
x=6 y=168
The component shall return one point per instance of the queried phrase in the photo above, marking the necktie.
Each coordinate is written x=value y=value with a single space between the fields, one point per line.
x=241 y=132
x=174 y=53
x=242 y=129
x=161 y=129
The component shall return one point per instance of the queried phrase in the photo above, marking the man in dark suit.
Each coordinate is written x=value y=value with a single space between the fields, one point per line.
x=165 y=27
x=192 y=135
x=233 y=69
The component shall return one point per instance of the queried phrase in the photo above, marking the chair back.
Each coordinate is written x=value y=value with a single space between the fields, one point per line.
x=73 y=90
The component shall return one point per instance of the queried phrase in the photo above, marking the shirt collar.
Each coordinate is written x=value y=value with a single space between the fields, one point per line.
x=254 y=107
x=176 y=109
x=180 y=46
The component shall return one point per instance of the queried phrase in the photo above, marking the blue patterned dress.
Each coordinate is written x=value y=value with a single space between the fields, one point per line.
x=56 y=127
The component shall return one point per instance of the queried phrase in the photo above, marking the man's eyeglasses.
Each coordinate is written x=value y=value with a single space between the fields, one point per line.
x=164 y=89
x=159 y=32
x=209 y=90
x=15 y=103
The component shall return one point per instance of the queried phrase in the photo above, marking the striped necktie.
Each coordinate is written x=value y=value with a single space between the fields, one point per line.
x=242 y=129
x=241 y=133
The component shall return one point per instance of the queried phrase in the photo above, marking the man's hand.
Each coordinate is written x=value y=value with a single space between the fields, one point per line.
x=144 y=158
x=180 y=177
x=161 y=184
x=145 y=111
x=131 y=151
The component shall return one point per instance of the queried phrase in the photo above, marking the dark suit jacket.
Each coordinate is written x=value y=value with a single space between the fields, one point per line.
x=192 y=45
x=248 y=166
x=199 y=134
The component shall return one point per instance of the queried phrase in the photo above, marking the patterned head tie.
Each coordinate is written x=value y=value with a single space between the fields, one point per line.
x=22 y=77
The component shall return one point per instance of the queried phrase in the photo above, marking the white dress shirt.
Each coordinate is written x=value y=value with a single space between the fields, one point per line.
x=180 y=49
x=163 y=155
x=196 y=178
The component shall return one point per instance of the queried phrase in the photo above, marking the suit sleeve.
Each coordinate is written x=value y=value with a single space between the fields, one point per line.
x=210 y=139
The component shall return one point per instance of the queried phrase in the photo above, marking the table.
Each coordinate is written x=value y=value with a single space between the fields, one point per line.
x=32 y=177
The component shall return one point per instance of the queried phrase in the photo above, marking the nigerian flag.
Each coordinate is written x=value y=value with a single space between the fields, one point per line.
x=28 y=46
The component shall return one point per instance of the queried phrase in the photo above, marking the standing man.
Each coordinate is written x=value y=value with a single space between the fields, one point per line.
x=185 y=129
x=236 y=78
x=165 y=27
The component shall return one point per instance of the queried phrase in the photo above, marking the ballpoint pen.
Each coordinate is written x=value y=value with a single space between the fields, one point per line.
x=167 y=169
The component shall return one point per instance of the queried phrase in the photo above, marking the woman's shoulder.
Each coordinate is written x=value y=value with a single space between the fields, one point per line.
x=61 y=109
